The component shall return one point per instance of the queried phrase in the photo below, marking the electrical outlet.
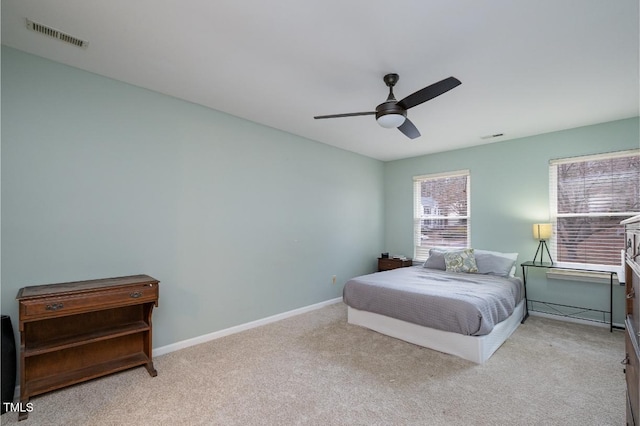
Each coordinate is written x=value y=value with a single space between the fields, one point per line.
x=333 y=279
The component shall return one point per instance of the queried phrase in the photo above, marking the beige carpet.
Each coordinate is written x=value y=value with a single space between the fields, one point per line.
x=316 y=369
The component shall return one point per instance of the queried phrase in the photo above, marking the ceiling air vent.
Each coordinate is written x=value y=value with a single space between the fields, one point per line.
x=52 y=32
x=495 y=135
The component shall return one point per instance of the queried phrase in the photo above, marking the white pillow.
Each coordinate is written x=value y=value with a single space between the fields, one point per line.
x=510 y=256
x=435 y=259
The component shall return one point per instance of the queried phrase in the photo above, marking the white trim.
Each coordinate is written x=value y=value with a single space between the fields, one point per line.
x=433 y=176
x=582 y=276
x=588 y=267
x=242 y=327
x=553 y=202
x=226 y=332
x=572 y=319
x=592 y=157
x=419 y=251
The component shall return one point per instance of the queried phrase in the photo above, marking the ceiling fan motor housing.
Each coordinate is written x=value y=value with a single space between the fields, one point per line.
x=396 y=114
x=390 y=107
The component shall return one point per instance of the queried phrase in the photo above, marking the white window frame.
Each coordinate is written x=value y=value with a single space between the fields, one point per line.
x=554 y=215
x=420 y=252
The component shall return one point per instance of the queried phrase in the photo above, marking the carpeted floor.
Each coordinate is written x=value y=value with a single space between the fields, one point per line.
x=315 y=369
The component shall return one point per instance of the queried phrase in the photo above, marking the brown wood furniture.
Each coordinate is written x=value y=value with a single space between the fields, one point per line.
x=385 y=264
x=632 y=320
x=77 y=331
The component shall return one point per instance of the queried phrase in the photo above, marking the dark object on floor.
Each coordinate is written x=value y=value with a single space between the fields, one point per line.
x=8 y=361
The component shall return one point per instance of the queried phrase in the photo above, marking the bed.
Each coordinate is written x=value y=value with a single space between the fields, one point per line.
x=468 y=311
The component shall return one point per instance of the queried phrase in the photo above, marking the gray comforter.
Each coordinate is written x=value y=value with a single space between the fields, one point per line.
x=464 y=303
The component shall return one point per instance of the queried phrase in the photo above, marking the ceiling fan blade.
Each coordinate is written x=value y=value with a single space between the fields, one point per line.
x=351 y=114
x=409 y=129
x=429 y=92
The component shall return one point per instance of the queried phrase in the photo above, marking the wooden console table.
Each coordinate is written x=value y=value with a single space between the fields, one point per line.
x=77 y=331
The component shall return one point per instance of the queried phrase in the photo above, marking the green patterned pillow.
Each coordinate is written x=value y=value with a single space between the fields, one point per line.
x=461 y=261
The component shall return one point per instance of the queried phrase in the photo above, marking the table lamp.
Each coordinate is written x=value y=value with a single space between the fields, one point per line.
x=542 y=232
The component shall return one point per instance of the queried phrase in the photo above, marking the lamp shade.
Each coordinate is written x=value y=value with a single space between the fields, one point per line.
x=541 y=231
x=391 y=121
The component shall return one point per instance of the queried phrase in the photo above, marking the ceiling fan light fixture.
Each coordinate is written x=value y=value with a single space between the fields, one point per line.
x=391 y=121
x=393 y=114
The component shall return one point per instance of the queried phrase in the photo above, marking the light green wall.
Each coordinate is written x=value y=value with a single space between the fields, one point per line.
x=509 y=192
x=238 y=221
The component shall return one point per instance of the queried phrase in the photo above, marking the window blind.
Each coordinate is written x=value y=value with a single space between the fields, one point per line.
x=589 y=196
x=441 y=211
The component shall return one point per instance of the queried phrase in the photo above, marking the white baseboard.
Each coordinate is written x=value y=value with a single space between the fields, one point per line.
x=239 y=328
x=571 y=319
x=226 y=332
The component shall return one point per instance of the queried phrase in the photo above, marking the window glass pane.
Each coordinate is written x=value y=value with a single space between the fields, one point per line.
x=441 y=212
x=589 y=197
x=444 y=232
x=599 y=186
x=444 y=197
x=596 y=240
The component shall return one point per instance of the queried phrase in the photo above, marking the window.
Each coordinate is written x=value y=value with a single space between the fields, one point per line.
x=441 y=212
x=589 y=196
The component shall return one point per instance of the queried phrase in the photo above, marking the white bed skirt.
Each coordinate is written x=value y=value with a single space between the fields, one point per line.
x=473 y=348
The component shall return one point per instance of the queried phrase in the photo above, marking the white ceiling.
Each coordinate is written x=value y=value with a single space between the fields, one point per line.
x=526 y=67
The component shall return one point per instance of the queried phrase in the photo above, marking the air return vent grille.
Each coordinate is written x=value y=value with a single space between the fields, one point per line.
x=52 y=32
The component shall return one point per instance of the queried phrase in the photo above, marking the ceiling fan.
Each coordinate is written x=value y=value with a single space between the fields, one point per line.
x=393 y=113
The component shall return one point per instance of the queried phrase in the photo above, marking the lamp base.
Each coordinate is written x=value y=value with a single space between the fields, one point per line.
x=542 y=246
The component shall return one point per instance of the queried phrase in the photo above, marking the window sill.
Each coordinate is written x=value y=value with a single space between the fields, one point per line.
x=583 y=276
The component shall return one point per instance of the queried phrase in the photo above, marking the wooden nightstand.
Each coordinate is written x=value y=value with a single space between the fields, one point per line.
x=386 y=264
